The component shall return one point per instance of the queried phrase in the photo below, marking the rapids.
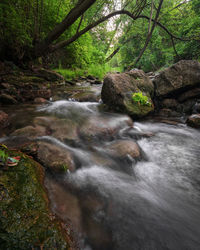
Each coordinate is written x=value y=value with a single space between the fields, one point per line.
x=151 y=203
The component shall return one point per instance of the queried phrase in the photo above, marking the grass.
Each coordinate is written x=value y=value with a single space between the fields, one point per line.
x=98 y=71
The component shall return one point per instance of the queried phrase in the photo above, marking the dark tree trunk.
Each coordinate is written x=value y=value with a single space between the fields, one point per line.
x=43 y=47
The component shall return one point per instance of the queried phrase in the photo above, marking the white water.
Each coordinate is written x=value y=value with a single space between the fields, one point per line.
x=155 y=208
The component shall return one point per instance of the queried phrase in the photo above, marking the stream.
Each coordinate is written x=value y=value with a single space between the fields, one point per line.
x=115 y=201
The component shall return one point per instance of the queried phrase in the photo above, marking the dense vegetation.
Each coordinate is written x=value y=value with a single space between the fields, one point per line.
x=32 y=32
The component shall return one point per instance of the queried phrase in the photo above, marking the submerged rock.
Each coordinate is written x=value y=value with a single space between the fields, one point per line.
x=194 y=121
x=30 y=131
x=55 y=157
x=118 y=89
x=123 y=148
x=25 y=219
x=99 y=128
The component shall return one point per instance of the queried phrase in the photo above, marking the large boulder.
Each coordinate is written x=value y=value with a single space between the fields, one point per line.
x=176 y=79
x=118 y=89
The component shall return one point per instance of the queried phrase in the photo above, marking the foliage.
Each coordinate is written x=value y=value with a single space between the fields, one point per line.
x=3 y=153
x=23 y=24
x=141 y=99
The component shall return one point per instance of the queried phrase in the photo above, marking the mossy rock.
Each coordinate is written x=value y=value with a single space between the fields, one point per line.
x=25 y=218
x=136 y=109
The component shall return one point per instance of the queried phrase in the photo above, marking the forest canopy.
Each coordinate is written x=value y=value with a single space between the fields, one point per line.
x=149 y=34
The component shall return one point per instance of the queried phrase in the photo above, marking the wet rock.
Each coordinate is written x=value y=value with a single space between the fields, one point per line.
x=7 y=99
x=61 y=129
x=118 y=89
x=55 y=157
x=86 y=97
x=3 y=119
x=178 y=77
x=30 y=131
x=98 y=128
x=40 y=100
x=122 y=148
x=194 y=121
x=25 y=219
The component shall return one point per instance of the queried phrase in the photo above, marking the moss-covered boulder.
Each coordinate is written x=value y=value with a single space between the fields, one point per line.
x=118 y=90
x=25 y=218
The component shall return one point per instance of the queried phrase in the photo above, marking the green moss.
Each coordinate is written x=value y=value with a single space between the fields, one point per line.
x=25 y=220
x=136 y=109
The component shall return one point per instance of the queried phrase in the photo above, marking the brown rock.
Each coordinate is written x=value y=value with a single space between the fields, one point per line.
x=169 y=103
x=118 y=89
x=3 y=119
x=30 y=131
x=99 y=128
x=55 y=157
x=194 y=121
x=61 y=129
x=7 y=99
x=184 y=74
x=40 y=100
x=193 y=93
x=123 y=148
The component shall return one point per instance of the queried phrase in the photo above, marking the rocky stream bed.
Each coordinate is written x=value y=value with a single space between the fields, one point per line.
x=93 y=177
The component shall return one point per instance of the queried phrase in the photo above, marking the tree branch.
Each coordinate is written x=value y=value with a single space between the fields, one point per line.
x=103 y=19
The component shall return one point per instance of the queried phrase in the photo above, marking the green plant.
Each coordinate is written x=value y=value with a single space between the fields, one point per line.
x=65 y=167
x=3 y=156
x=141 y=99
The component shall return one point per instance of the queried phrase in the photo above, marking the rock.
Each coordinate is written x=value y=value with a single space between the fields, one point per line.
x=118 y=89
x=3 y=119
x=98 y=82
x=61 y=129
x=40 y=100
x=31 y=94
x=26 y=221
x=91 y=77
x=7 y=99
x=30 y=131
x=5 y=86
x=86 y=97
x=178 y=77
x=50 y=75
x=168 y=113
x=169 y=103
x=123 y=148
x=194 y=121
x=95 y=129
x=193 y=93
x=196 y=108
x=55 y=157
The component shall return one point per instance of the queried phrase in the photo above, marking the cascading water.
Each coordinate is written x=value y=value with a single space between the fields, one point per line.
x=154 y=207
x=120 y=202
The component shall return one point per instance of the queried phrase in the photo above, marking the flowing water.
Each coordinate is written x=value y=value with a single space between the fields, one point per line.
x=118 y=202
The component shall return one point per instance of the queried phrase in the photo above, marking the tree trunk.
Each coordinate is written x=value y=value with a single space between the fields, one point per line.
x=43 y=47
